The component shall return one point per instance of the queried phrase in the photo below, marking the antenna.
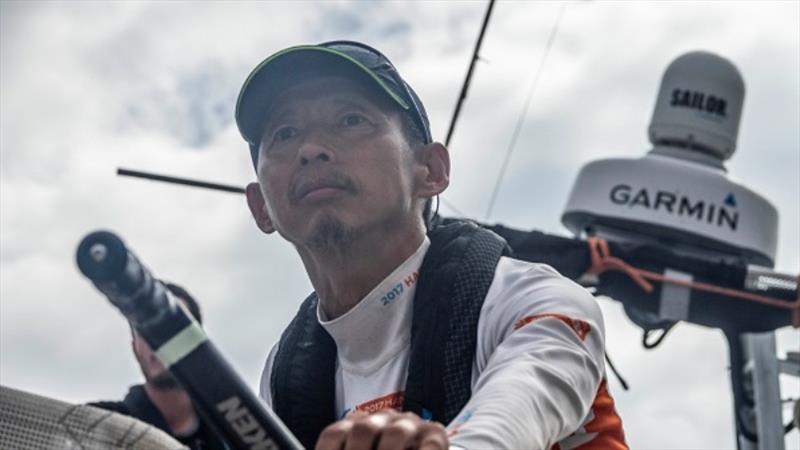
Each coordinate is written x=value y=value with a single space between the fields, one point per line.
x=178 y=180
x=465 y=86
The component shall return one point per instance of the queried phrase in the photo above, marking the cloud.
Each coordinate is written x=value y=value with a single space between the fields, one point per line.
x=199 y=107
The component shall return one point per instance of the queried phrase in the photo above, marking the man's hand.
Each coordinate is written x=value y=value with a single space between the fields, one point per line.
x=384 y=430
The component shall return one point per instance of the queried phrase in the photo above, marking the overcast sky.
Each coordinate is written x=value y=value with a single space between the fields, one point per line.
x=87 y=87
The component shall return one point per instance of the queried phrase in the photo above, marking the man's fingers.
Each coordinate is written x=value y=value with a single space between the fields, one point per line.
x=366 y=431
x=385 y=430
x=334 y=436
x=400 y=434
x=432 y=436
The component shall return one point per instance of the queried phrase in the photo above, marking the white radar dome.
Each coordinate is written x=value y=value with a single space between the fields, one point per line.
x=699 y=105
x=679 y=194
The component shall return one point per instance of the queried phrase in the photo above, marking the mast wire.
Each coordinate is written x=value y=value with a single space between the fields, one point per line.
x=521 y=120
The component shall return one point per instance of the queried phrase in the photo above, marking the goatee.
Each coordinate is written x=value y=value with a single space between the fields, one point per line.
x=331 y=234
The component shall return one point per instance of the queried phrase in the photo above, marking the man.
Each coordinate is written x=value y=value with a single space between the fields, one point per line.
x=161 y=401
x=409 y=314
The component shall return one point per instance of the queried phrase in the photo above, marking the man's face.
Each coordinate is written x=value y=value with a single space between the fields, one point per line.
x=333 y=164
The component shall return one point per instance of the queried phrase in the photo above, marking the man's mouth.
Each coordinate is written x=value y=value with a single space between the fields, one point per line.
x=321 y=188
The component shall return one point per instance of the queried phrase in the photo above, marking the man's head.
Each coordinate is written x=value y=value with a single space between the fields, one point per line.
x=153 y=370
x=343 y=58
x=340 y=143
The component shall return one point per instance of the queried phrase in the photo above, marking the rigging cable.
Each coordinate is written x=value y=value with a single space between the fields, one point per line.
x=532 y=89
x=451 y=206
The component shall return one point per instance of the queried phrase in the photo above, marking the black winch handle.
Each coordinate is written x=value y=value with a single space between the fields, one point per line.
x=180 y=343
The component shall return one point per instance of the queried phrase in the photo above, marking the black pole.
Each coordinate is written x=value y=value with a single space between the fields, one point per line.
x=743 y=397
x=465 y=86
x=177 y=180
x=216 y=390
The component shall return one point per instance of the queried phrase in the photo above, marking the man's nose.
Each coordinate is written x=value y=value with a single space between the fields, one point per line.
x=315 y=148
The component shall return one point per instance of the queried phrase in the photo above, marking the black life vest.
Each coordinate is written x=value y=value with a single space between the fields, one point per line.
x=453 y=281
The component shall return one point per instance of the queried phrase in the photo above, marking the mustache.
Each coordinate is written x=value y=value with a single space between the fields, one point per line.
x=301 y=185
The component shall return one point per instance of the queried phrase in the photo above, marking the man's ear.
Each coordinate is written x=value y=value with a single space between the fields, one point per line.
x=432 y=174
x=258 y=208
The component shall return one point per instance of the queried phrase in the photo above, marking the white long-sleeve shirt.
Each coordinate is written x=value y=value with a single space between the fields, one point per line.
x=538 y=377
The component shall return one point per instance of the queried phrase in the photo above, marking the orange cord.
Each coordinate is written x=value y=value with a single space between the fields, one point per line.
x=603 y=261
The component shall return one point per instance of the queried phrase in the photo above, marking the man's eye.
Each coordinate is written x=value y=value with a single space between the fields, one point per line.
x=284 y=133
x=352 y=120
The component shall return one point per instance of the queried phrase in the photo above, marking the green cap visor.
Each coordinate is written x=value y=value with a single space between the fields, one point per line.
x=275 y=73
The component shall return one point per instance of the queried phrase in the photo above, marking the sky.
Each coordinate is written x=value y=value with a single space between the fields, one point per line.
x=87 y=87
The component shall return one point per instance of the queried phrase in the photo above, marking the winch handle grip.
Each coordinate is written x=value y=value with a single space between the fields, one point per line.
x=218 y=393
